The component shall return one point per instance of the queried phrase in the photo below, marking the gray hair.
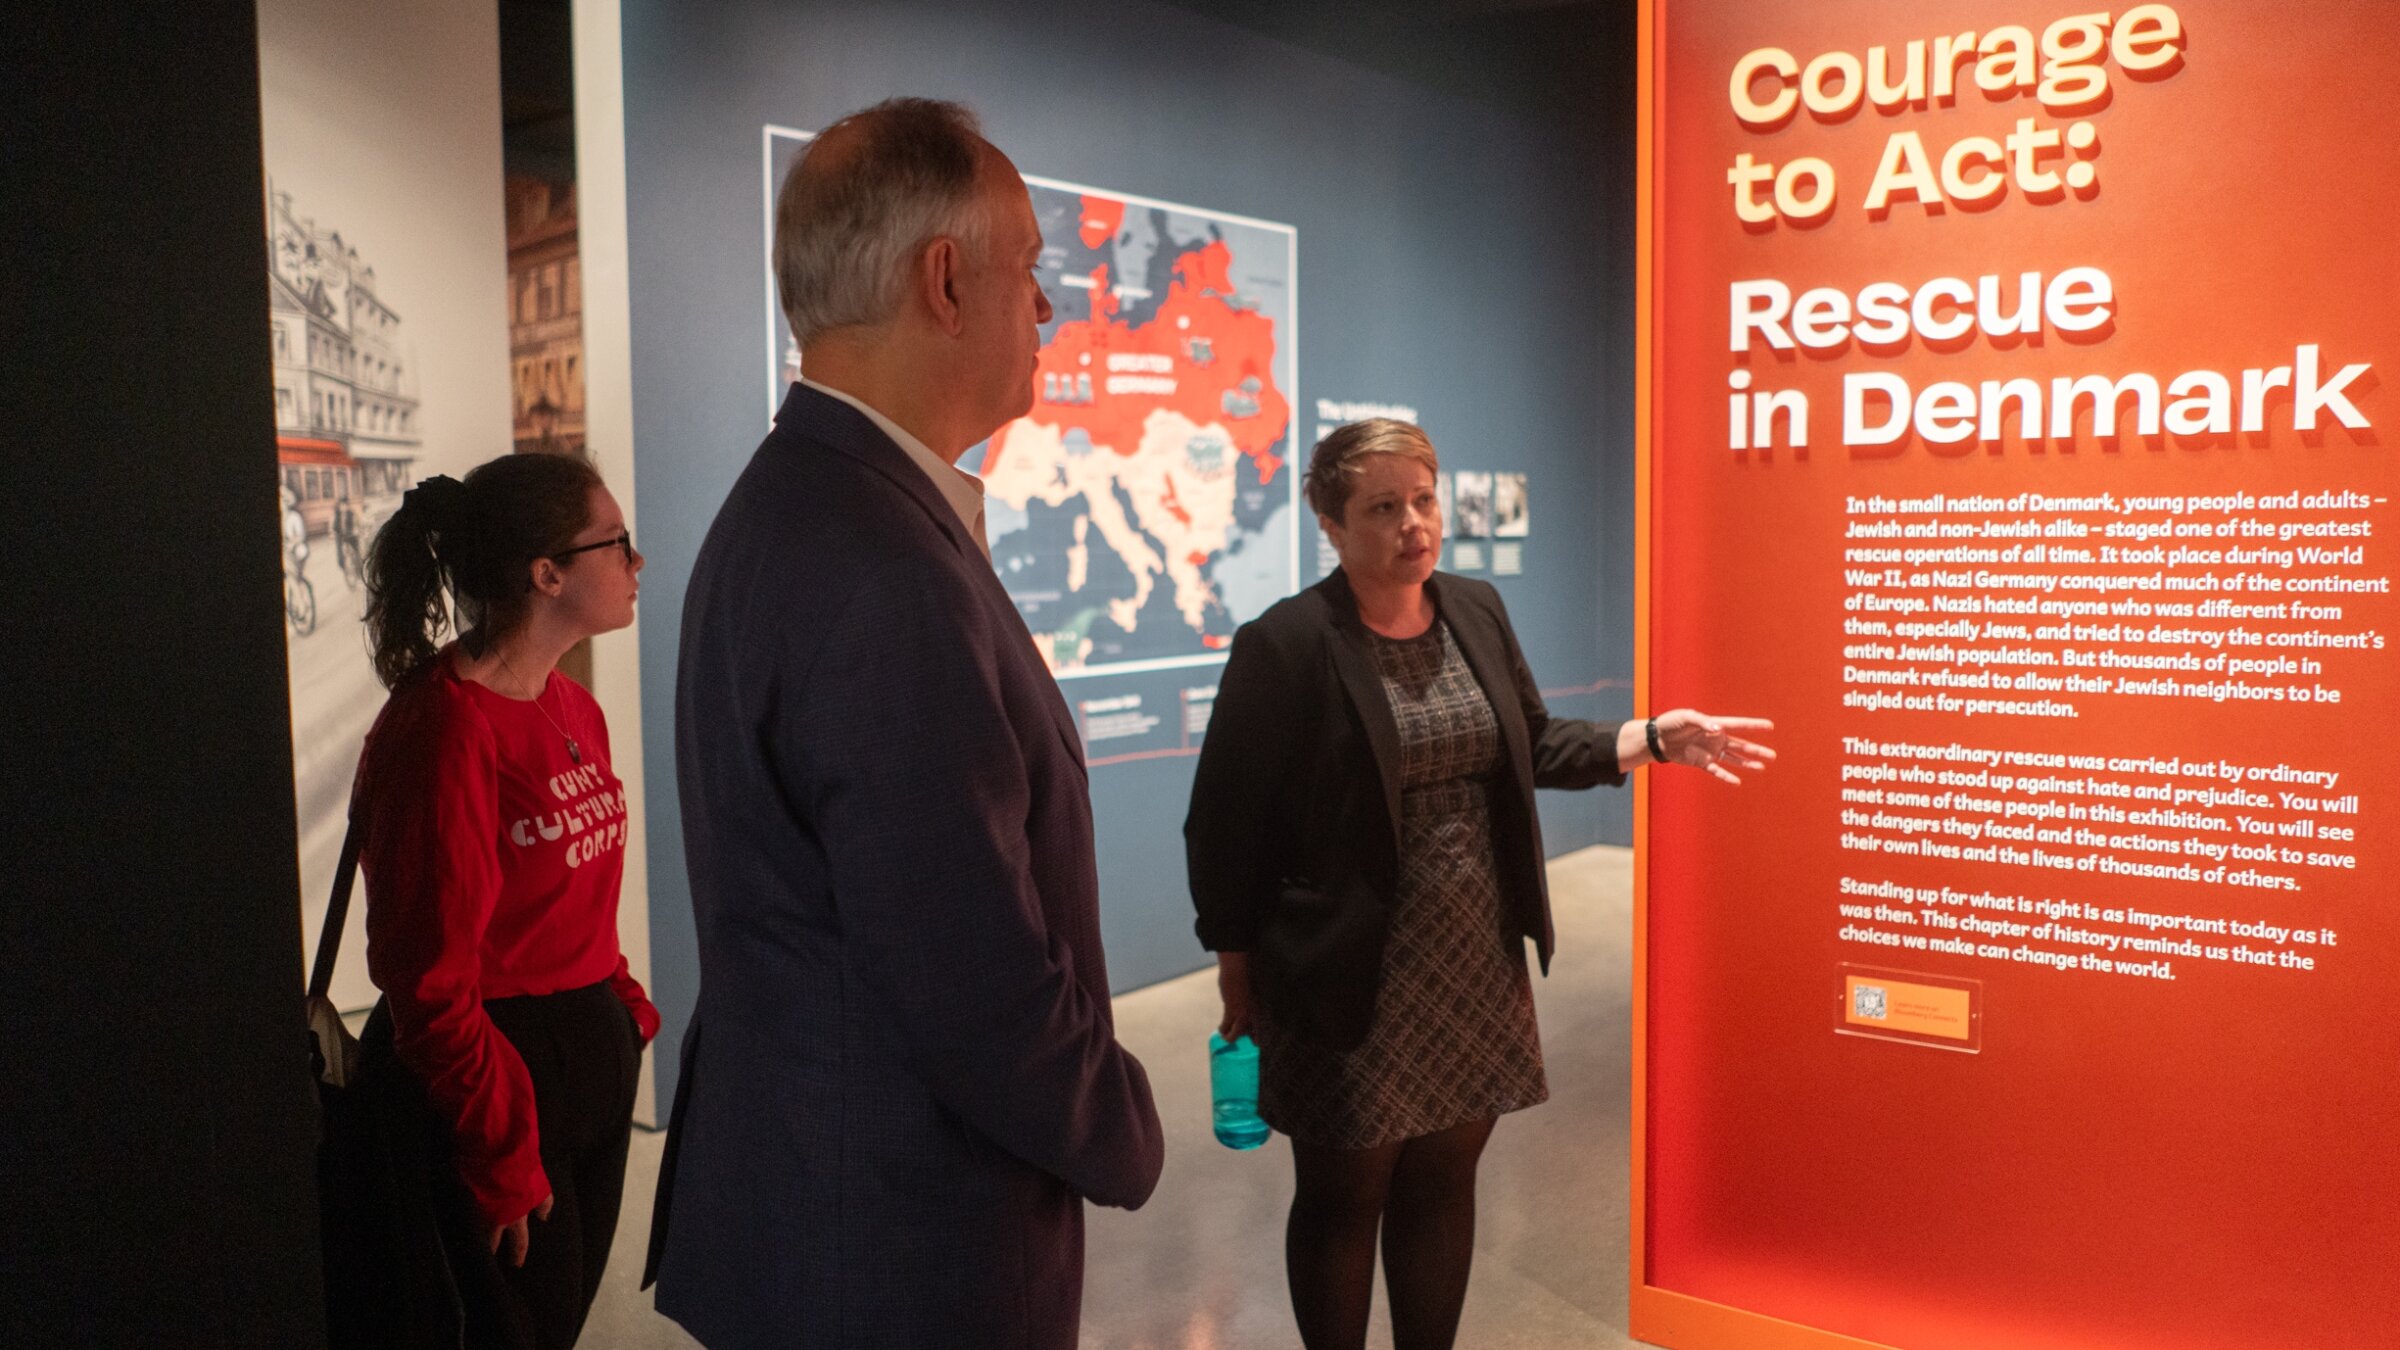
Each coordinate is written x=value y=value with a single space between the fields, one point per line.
x=872 y=189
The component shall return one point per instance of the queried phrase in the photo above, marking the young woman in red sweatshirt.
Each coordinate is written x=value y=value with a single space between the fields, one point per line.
x=493 y=846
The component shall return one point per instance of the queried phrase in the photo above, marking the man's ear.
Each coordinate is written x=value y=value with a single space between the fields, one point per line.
x=939 y=268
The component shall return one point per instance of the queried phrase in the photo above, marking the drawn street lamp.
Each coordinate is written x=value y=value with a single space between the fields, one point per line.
x=544 y=415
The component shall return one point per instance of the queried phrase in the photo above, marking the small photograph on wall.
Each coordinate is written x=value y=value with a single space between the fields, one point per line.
x=1511 y=513
x=1473 y=519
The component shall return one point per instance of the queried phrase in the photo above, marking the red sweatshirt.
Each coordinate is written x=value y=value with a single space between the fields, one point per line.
x=492 y=861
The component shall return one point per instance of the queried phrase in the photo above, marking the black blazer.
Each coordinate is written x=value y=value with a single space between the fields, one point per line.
x=1293 y=839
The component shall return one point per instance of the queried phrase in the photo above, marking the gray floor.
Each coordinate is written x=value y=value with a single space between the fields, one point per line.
x=1201 y=1266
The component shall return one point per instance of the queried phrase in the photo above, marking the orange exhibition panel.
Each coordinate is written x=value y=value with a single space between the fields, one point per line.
x=2018 y=434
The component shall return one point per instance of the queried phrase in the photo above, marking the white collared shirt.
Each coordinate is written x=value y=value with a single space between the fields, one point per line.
x=963 y=490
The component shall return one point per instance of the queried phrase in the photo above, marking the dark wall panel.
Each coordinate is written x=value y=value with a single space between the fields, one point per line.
x=159 y=1119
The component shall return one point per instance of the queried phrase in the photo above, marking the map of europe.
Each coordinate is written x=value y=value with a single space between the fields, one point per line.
x=1144 y=508
x=1148 y=504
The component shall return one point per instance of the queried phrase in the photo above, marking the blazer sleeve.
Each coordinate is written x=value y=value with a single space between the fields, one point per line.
x=1568 y=752
x=1252 y=736
x=918 y=792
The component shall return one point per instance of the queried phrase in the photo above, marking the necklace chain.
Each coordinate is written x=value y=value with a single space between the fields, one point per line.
x=574 y=751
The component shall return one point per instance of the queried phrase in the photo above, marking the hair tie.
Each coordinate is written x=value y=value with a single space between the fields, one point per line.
x=440 y=499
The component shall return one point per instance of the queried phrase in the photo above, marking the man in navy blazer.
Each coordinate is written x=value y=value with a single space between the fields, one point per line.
x=902 y=1080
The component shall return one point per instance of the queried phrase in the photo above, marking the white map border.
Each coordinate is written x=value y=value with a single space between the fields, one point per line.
x=1289 y=338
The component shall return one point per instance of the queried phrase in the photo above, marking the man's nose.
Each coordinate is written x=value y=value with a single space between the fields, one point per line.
x=1041 y=305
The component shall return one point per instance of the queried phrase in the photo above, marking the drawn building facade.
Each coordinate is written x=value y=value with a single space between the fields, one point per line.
x=345 y=401
x=545 y=315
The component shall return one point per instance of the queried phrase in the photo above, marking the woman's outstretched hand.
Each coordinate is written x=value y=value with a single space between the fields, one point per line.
x=1721 y=745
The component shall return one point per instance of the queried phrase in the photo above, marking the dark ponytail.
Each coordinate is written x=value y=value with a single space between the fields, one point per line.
x=474 y=540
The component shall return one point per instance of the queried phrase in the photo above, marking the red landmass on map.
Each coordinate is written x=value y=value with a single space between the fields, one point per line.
x=1100 y=219
x=1210 y=348
x=1173 y=501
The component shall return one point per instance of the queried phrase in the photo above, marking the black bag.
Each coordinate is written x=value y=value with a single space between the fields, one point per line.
x=403 y=1267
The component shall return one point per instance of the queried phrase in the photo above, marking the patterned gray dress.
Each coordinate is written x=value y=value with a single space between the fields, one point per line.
x=1453 y=1038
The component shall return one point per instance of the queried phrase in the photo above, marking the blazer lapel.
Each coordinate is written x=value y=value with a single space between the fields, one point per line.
x=1486 y=649
x=1354 y=662
x=1062 y=718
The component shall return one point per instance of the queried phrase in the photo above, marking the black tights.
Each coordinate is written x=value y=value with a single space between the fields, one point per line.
x=1421 y=1194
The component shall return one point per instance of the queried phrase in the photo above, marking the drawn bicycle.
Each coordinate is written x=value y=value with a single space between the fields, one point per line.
x=299 y=602
x=351 y=558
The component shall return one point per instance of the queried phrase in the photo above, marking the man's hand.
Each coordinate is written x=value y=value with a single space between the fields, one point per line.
x=517 y=1236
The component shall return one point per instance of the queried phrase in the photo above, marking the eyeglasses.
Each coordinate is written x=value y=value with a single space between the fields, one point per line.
x=623 y=541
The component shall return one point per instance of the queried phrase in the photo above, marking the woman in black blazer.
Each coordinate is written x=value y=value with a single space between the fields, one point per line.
x=1366 y=861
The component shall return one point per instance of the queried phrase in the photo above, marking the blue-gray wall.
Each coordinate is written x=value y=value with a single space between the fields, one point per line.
x=1467 y=257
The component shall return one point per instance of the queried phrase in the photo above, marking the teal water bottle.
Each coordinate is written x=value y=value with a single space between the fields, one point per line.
x=1233 y=1085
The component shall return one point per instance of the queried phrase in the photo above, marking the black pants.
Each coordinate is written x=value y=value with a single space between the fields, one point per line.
x=583 y=1053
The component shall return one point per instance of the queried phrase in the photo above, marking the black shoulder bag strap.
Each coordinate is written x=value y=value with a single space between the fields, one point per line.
x=337 y=912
